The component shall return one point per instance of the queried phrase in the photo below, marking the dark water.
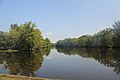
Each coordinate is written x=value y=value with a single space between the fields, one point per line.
x=67 y=64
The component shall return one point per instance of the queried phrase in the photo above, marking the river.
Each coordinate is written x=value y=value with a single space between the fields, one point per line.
x=66 y=64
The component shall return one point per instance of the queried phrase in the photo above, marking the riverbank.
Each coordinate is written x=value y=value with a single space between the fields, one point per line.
x=17 y=77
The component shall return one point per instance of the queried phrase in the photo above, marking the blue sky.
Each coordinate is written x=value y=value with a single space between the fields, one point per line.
x=59 y=19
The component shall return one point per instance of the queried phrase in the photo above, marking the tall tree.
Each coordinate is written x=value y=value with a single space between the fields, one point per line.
x=26 y=36
x=116 y=30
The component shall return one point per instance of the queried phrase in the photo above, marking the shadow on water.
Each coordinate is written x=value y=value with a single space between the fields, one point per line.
x=23 y=63
x=107 y=56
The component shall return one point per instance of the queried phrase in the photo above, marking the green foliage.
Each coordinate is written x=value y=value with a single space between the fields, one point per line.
x=46 y=46
x=83 y=41
x=4 y=40
x=116 y=31
x=52 y=45
x=109 y=37
x=104 y=38
x=23 y=37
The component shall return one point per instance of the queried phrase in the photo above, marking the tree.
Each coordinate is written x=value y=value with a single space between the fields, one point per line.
x=4 y=40
x=116 y=31
x=26 y=37
x=103 y=38
x=85 y=41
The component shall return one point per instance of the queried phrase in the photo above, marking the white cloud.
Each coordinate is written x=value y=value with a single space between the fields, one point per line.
x=48 y=57
x=49 y=33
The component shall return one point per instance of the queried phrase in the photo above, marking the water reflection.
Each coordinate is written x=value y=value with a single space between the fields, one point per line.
x=23 y=63
x=30 y=63
x=108 y=57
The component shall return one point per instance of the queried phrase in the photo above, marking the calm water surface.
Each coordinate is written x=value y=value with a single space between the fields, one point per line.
x=67 y=64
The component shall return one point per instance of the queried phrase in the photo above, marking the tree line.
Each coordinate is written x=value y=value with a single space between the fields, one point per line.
x=23 y=37
x=109 y=37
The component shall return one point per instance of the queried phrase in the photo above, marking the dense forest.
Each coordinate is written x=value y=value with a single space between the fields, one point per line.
x=23 y=37
x=109 y=37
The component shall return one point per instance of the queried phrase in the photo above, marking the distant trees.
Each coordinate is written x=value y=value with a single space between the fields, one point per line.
x=109 y=37
x=74 y=42
x=85 y=41
x=23 y=37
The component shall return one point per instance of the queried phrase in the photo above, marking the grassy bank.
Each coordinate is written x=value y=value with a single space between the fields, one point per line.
x=14 y=77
